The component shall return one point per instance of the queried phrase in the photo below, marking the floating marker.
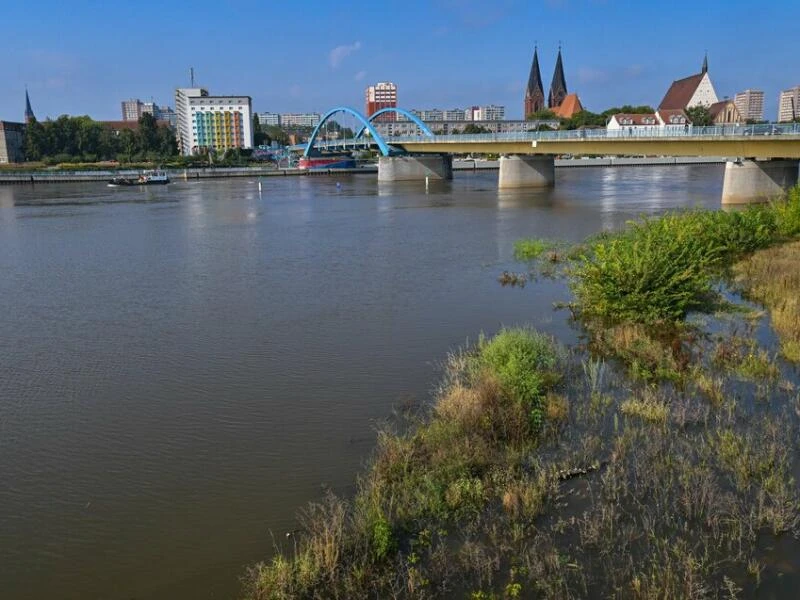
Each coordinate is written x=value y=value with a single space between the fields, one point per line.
x=426 y=183
x=259 y=186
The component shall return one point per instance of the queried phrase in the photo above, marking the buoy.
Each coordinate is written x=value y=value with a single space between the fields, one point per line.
x=259 y=186
x=427 y=182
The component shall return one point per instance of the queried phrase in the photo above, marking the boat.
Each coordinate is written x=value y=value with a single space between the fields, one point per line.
x=149 y=177
x=327 y=161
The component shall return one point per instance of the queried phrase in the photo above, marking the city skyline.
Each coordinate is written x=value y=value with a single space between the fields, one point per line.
x=443 y=53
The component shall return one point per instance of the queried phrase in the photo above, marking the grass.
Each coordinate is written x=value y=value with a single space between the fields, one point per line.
x=772 y=277
x=530 y=248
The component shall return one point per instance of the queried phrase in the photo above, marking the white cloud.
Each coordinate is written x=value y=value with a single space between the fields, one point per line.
x=360 y=75
x=338 y=54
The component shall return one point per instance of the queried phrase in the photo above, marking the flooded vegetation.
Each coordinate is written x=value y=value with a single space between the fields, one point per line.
x=657 y=458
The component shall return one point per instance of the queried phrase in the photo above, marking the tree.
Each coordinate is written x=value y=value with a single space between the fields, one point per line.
x=35 y=140
x=542 y=115
x=259 y=136
x=583 y=118
x=699 y=115
x=276 y=133
x=148 y=133
x=472 y=128
x=627 y=109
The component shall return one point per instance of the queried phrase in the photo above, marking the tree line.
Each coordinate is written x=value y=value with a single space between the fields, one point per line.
x=81 y=139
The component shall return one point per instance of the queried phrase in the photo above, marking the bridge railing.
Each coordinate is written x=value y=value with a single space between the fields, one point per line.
x=670 y=131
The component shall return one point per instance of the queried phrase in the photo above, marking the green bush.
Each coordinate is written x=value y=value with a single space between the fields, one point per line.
x=659 y=269
x=524 y=362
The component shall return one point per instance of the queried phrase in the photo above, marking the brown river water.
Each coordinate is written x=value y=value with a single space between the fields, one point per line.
x=182 y=368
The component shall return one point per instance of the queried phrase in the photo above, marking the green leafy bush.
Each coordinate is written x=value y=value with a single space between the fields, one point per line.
x=524 y=362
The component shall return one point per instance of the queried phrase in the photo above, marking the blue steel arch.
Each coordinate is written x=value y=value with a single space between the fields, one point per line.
x=408 y=115
x=384 y=148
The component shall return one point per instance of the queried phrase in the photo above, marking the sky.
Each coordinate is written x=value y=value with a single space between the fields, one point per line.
x=85 y=57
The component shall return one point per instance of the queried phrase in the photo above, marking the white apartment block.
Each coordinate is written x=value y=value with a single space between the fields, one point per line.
x=269 y=119
x=209 y=122
x=299 y=119
x=488 y=113
x=750 y=104
x=789 y=105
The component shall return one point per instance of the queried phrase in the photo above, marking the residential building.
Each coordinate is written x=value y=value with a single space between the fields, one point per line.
x=378 y=96
x=453 y=114
x=789 y=105
x=558 y=87
x=488 y=112
x=695 y=90
x=269 y=119
x=634 y=122
x=724 y=112
x=674 y=120
x=11 y=141
x=750 y=104
x=534 y=92
x=206 y=122
x=133 y=109
x=299 y=119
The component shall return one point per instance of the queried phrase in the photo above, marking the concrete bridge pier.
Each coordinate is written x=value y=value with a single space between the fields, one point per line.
x=415 y=168
x=519 y=171
x=749 y=181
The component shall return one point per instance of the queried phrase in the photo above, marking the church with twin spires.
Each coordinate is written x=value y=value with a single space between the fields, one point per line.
x=559 y=101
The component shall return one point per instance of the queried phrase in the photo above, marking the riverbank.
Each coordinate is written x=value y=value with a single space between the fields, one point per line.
x=9 y=177
x=659 y=460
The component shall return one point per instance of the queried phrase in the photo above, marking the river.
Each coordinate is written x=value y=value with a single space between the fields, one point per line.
x=182 y=368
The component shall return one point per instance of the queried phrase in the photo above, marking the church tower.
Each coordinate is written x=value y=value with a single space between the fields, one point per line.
x=558 y=88
x=534 y=93
x=29 y=116
x=705 y=64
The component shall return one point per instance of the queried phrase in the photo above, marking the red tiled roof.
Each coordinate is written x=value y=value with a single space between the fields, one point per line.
x=666 y=115
x=570 y=106
x=638 y=119
x=680 y=92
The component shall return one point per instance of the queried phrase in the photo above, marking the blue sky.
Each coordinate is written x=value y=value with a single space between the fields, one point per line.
x=84 y=57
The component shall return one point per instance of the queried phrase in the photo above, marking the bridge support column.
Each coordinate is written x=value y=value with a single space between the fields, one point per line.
x=517 y=171
x=749 y=181
x=415 y=168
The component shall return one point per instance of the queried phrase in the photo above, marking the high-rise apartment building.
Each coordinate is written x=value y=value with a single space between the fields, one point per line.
x=750 y=104
x=207 y=122
x=789 y=105
x=133 y=109
x=378 y=96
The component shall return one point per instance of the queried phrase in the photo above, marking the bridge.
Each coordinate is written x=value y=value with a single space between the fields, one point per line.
x=763 y=161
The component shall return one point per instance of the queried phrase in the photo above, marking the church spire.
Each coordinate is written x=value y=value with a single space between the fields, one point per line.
x=558 y=88
x=534 y=93
x=29 y=116
x=705 y=63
